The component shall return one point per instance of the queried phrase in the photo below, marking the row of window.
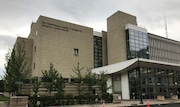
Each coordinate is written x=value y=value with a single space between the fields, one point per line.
x=137 y=42
x=97 y=51
x=164 y=55
x=137 y=47
x=136 y=37
x=153 y=82
x=164 y=45
x=164 y=59
x=137 y=33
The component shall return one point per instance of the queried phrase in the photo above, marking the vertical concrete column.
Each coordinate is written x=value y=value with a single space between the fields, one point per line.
x=125 y=86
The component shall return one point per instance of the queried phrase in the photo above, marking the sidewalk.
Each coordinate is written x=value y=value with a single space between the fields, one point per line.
x=124 y=103
x=130 y=103
x=3 y=104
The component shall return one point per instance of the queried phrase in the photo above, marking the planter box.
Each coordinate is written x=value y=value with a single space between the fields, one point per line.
x=174 y=97
x=116 y=98
x=160 y=97
x=18 y=101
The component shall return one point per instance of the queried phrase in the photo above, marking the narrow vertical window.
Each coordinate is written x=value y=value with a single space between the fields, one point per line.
x=76 y=51
x=34 y=65
x=35 y=49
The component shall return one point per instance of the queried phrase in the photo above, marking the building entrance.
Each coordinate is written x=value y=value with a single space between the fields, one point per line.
x=153 y=82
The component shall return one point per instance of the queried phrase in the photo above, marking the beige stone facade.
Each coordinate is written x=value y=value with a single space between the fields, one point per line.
x=65 y=44
x=116 y=36
x=55 y=42
x=28 y=45
x=104 y=48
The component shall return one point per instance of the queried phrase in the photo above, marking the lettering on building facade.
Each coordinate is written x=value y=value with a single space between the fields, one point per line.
x=59 y=27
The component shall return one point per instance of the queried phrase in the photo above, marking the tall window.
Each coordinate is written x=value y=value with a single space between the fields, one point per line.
x=137 y=43
x=97 y=51
x=34 y=65
x=35 y=49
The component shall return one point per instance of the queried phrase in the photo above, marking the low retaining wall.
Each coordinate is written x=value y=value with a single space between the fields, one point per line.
x=18 y=101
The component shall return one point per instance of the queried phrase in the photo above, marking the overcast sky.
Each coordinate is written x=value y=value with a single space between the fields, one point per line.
x=16 y=16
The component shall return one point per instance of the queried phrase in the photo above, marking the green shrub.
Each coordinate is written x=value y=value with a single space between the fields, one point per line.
x=59 y=96
x=89 y=98
x=107 y=97
x=69 y=99
x=79 y=99
x=32 y=101
x=3 y=98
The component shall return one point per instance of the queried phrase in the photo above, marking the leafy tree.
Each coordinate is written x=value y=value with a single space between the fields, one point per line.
x=102 y=82
x=52 y=80
x=90 y=80
x=16 y=67
x=1 y=85
x=79 y=78
x=36 y=84
x=9 y=74
x=60 y=84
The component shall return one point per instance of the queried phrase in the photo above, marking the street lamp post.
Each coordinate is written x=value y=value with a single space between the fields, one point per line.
x=38 y=101
x=175 y=92
x=133 y=97
x=141 y=101
x=96 y=99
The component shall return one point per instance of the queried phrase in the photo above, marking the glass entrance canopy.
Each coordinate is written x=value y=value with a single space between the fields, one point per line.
x=155 y=78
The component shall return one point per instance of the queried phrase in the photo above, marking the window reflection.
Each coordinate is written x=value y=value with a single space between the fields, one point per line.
x=154 y=82
x=137 y=42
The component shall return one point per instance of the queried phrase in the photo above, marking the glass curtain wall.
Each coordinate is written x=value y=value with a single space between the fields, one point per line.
x=97 y=51
x=154 y=82
x=137 y=43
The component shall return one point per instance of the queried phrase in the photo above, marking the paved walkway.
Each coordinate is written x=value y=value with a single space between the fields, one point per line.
x=122 y=104
x=130 y=103
x=3 y=104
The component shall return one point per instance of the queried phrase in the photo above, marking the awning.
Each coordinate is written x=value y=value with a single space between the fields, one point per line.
x=130 y=64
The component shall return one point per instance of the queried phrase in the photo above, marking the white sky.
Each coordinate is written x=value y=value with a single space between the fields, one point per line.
x=17 y=15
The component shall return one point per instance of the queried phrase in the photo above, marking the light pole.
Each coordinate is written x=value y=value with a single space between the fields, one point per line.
x=141 y=101
x=175 y=83
x=96 y=99
x=133 y=96
x=38 y=101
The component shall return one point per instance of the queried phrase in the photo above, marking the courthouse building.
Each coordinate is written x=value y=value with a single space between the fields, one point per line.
x=137 y=62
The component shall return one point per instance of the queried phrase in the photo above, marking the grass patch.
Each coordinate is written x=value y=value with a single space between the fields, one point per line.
x=3 y=98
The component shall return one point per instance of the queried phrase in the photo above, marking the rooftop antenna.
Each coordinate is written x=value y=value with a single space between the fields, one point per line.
x=165 y=26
